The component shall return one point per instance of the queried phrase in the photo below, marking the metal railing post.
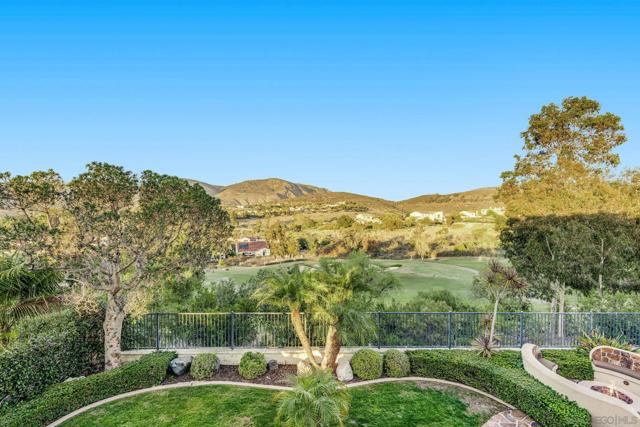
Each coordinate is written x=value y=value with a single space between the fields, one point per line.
x=378 y=330
x=449 y=340
x=157 y=331
x=521 y=338
x=233 y=330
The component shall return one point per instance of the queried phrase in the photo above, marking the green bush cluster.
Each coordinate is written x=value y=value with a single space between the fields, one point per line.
x=204 y=366
x=396 y=363
x=513 y=385
x=571 y=364
x=50 y=349
x=252 y=365
x=367 y=364
x=66 y=397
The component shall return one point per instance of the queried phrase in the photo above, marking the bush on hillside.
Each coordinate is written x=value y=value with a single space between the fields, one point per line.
x=396 y=363
x=252 y=365
x=66 y=397
x=513 y=385
x=367 y=364
x=50 y=349
x=204 y=366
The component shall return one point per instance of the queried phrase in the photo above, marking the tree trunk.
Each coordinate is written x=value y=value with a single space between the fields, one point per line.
x=600 y=276
x=332 y=348
x=298 y=327
x=114 y=317
x=493 y=321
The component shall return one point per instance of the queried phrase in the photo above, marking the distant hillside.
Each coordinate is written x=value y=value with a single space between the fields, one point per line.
x=275 y=191
x=264 y=191
x=211 y=189
x=467 y=200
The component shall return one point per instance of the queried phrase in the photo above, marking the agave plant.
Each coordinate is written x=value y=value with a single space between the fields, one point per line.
x=25 y=292
x=596 y=338
x=317 y=400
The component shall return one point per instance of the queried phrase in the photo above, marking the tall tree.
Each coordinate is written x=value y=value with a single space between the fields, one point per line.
x=568 y=157
x=112 y=230
x=291 y=289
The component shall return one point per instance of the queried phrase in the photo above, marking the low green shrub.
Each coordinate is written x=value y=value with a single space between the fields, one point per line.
x=252 y=365
x=513 y=385
x=571 y=364
x=204 y=366
x=367 y=364
x=50 y=349
x=66 y=397
x=396 y=363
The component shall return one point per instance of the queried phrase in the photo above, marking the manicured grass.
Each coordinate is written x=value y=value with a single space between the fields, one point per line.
x=454 y=274
x=408 y=404
x=381 y=405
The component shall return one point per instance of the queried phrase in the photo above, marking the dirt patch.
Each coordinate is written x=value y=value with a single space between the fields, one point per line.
x=230 y=373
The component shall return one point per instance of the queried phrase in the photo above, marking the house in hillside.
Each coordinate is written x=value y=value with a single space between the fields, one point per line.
x=252 y=246
x=436 y=216
x=468 y=214
x=495 y=210
x=367 y=219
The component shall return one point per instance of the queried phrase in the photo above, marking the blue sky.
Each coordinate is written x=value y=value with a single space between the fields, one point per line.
x=392 y=99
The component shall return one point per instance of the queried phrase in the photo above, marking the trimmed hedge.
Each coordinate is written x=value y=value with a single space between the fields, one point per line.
x=252 y=365
x=50 y=349
x=204 y=366
x=367 y=364
x=396 y=363
x=66 y=397
x=571 y=364
x=512 y=385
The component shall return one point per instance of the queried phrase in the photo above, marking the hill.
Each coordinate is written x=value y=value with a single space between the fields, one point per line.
x=467 y=200
x=264 y=191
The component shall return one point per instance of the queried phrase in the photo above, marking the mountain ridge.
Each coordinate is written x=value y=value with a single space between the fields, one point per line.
x=276 y=190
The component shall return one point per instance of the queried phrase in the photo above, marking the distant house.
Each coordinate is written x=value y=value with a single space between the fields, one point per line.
x=437 y=216
x=469 y=214
x=252 y=246
x=367 y=219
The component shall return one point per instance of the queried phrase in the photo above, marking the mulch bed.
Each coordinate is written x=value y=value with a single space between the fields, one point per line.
x=230 y=373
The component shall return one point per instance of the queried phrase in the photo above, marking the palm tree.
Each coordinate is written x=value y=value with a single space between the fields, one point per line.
x=351 y=286
x=291 y=289
x=316 y=400
x=25 y=292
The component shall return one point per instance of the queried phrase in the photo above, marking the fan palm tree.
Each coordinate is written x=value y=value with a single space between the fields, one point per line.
x=291 y=289
x=351 y=286
x=316 y=400
x=25 y=292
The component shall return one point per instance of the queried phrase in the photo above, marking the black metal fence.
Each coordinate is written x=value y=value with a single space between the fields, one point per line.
x=430 y=330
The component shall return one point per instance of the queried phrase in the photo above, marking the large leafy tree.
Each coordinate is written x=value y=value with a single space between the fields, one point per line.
x=567 y=162
x=112 y=230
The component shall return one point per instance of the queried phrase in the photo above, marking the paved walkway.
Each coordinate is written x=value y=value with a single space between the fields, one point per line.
x=510 y=418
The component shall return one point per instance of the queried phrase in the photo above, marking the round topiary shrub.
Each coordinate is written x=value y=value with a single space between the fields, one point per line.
x=252 y=365
x=367 y=364
x=396 y=363
x=204 y=366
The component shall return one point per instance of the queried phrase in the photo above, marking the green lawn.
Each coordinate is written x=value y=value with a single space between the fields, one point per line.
x=454 y=274
x=381 y=405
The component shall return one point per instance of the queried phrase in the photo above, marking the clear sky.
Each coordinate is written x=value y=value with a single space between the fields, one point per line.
x=392 y=99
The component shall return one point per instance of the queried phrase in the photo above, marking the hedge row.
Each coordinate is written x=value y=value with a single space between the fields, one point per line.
x=512 y=385
x=50 y=349
x=571 y=364
x=66 y=397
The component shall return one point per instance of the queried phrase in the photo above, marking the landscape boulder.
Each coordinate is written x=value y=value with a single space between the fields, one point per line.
x=272 y=365
x=344 y=371
x=180 y=365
